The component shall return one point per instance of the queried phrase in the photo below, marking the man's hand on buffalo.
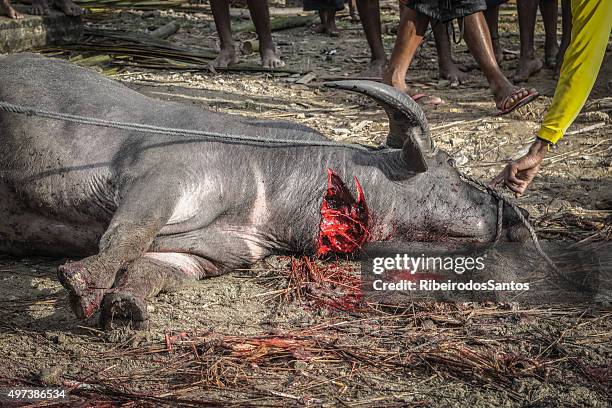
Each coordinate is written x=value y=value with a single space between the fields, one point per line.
x=520 y=173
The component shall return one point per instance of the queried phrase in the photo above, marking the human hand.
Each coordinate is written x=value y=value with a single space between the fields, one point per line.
x=518 y=175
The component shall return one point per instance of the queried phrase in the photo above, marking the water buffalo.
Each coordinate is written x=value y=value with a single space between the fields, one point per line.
x=149 y=212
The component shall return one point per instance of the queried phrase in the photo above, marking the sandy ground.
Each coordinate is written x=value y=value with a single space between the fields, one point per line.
x=251 y=338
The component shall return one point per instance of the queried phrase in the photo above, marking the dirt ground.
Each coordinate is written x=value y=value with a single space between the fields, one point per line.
x=260 y=337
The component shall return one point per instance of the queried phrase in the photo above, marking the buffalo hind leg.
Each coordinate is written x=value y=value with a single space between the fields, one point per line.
x=144 y=279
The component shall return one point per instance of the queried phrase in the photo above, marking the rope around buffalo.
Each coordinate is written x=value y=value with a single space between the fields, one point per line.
x=214 y=136
x=532 y=232
x=221 y=137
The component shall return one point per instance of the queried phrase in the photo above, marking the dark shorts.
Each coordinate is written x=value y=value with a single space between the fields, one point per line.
x=446 y=10
x=318 y=5
x=495 y=3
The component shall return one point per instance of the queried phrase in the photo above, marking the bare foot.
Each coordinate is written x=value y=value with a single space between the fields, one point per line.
x=320 y=29
x=331 y=30
x=69 y=8
x=328 y=23
x=375 y=70
x=551 y=50
x=526 y=68
x=9 y=10
x=452 y=73
x=269 y=59
x=12 y=13
x=226 y=57
x=39 y=7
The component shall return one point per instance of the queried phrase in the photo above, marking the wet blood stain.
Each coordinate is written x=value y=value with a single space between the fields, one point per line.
x=345 y=222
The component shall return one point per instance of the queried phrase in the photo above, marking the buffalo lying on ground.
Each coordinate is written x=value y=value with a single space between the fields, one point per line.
x=148 y=212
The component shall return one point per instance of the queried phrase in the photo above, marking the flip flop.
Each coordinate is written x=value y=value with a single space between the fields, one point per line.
x=435 y=100
x=504 y=109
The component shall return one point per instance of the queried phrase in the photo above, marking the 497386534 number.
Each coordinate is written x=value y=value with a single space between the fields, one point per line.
x=30 y=394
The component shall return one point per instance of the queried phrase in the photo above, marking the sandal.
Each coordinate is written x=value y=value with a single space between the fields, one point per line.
x=503 y=107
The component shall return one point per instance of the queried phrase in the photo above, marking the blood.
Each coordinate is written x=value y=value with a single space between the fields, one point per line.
x=344 y=228
x=324 y=285
x=345 y=222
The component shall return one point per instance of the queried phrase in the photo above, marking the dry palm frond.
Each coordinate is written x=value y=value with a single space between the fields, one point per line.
x=135 y=5
x=112 y=48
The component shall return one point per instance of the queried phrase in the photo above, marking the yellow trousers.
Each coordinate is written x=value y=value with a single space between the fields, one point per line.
x=592 y=22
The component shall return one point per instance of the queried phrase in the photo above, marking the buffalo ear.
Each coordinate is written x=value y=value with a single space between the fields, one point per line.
x=408 y=127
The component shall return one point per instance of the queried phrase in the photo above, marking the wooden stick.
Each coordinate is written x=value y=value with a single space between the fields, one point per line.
x=586 y=129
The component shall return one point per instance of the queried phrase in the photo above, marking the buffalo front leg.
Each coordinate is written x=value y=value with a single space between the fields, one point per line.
x=132 y=229
x=144 y=279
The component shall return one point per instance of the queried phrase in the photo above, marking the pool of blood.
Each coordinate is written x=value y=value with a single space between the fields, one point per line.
x=345 y=221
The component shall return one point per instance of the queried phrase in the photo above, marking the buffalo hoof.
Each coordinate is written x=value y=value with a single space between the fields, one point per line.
x=122 y=307
x=74 y=276
x=85 y=306
x=85 y=294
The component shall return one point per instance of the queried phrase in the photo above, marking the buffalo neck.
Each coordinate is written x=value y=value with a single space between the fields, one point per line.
x=299 y=194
